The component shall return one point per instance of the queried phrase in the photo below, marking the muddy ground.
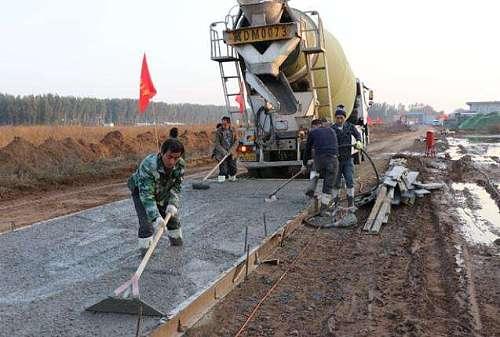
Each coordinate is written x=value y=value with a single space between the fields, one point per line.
x=422 y=276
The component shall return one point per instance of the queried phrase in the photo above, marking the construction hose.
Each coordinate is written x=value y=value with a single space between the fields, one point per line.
x=364 y=194
x=307 y=221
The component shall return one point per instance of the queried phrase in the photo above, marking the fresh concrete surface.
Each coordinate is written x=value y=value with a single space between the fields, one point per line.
x=50 y=272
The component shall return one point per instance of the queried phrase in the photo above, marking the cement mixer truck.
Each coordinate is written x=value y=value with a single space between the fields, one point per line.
x=285 y=70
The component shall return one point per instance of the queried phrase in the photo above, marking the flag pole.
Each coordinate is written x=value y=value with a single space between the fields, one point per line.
x=156 y=127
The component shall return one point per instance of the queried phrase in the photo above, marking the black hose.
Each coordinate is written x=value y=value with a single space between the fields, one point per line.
x=374 y=169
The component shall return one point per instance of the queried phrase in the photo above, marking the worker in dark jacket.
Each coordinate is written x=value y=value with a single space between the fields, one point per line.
x=156 y=190
x=345 y=132
x=225 y=142
x=324 y=143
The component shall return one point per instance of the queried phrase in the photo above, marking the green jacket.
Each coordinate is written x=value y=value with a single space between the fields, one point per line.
x=156 y=187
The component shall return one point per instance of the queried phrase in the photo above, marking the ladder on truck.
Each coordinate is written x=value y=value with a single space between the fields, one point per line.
x=229 y=63
x=314 y=50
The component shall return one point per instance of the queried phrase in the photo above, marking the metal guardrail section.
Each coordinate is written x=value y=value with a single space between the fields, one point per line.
x=195 y=307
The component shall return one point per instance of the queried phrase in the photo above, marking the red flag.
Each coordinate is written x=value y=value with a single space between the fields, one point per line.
x=147 y=89
x=369 y=121
x=240 y=99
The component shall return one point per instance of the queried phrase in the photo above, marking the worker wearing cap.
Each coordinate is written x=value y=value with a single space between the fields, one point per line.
x=345 y=132
x=156 y=188
x=323 y=141
x=225 y=141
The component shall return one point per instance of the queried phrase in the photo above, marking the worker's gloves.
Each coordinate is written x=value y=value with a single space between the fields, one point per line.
x=159 y=222
x=172 y=210
x=303 y=169
x=358 y=145
x=313 y=175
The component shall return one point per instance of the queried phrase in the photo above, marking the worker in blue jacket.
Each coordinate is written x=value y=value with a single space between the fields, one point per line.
x=345 y=132
x=323 y=141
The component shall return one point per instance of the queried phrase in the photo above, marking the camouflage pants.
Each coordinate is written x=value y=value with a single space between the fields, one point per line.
x=145 y=227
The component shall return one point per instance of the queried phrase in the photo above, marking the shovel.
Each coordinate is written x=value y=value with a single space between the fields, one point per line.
x=272 y=196
x=121 y=302
x=201 y=185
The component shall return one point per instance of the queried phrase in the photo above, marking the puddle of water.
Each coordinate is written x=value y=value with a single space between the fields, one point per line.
x=479 y=148
x=480 y=225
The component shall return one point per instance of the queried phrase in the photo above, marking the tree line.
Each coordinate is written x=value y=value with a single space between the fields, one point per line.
x=391 y=112
x=68 y=110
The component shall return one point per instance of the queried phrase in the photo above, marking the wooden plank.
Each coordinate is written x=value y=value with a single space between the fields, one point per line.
x=421 y=192
x=377 y=224
x=429 y=186
x=402 y=187
x=410 y=178
x=396 y=200
x=397 y=172
x=383 y=215
x=390 y=182
x=376 y=208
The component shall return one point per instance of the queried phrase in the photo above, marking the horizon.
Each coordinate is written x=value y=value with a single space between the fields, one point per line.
x=92 y=50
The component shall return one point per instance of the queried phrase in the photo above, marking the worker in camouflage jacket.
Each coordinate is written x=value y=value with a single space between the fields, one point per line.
x=225 y=142
x=156 y=188
x=345 y=132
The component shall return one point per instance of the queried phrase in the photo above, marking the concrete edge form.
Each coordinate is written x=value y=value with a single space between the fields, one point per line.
x=195 y=307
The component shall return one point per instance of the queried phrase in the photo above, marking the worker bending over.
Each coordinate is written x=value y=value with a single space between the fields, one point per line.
x=225 y=141
x=323 y=142
x=156 y=188
x=345 y=131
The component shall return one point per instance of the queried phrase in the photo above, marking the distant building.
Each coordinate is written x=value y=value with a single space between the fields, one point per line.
x=420 y=114
x=484 y=107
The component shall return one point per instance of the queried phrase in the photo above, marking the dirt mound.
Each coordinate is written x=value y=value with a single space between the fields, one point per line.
x=83 y=152
x=146 y=137
x=461 y=167
x=23 y=157
x=117 y=146
x=27 y=167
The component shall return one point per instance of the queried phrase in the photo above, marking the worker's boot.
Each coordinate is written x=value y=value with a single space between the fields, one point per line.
x=143 y=244
x=221 y=179
x=326 y=200
x=232 y=178
x=175 y=237
x=350 y=199
x=336 y=198
x=312 y=187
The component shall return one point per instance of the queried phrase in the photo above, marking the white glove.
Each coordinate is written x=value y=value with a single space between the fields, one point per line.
x=303 y=169
x=158 y=223
x=313 y=175
x=172 y=210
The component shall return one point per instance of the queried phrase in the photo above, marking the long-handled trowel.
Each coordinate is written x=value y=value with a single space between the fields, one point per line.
x=202 y=185
x=126 y=298
x=272 y=196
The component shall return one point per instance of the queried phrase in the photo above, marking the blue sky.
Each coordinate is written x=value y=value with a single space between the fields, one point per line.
x=440 y=52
